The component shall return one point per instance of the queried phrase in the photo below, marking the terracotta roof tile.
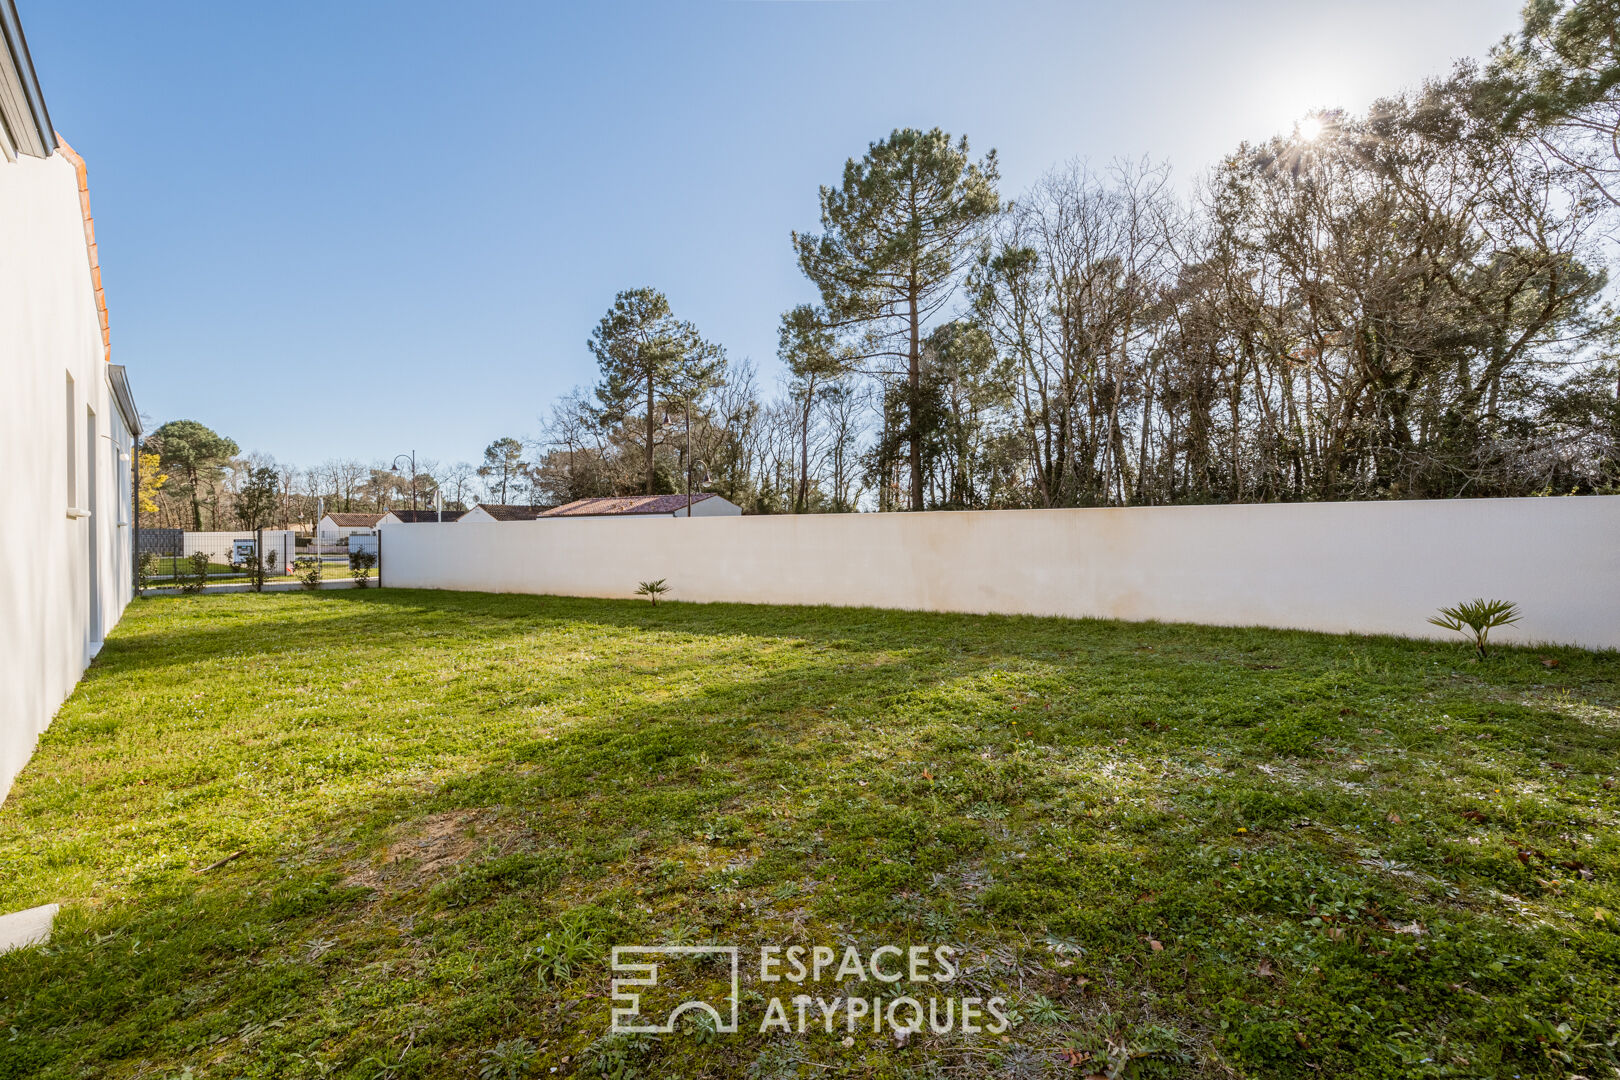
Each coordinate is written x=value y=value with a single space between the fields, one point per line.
x=409 y=516
x=629 y=504
x=355 y=521
x=512 y=512
x=90 y=249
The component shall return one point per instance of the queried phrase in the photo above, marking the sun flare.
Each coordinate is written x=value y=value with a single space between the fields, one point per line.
x=1309 y=129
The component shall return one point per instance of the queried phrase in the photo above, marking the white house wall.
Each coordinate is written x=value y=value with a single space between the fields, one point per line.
x=331 y=534
x=712 y=508
x=1366 y=567
x=49 y=330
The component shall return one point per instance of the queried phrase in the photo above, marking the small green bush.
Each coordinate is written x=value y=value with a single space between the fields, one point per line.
x=258 y=567
x=196 y=577
x=360 y=564
x=309 y=572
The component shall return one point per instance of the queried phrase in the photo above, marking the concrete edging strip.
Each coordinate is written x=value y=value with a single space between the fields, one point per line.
x=31 y=927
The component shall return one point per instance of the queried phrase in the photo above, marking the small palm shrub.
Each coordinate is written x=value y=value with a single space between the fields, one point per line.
x=1475 y=619
x=652 y=590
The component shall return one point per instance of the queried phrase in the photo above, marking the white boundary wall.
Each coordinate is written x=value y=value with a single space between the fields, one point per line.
x=1368 y=567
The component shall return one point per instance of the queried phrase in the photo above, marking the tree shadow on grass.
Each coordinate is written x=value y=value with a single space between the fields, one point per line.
x=1265 y=668
x=892 y=771
x=181 y=961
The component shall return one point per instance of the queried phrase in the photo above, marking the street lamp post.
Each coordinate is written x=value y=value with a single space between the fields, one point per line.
x=703 y=475
x=395 y=468
x=688 y=404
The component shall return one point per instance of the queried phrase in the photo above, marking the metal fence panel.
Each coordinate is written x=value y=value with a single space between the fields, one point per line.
x=172 y=559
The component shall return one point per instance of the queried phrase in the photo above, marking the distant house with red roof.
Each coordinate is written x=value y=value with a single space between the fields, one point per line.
x=503 y=512
x=339 y=526
x=419 y=517
x=701 y=504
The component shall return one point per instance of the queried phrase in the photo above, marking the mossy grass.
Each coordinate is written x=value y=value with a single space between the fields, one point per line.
x=1176 y=850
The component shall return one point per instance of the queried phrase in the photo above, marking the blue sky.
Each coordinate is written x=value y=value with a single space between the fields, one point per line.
x=356 y=229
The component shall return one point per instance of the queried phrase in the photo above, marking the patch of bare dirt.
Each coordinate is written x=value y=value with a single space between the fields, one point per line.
x=425 y=849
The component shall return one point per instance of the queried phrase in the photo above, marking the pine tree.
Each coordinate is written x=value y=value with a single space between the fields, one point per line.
x=894 y=239
x=646 y=355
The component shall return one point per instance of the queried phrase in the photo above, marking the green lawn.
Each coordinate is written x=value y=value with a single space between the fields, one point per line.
x=171 y=566
x=1175 y=851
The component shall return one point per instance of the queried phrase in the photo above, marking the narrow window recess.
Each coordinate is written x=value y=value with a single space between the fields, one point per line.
x=74 y=510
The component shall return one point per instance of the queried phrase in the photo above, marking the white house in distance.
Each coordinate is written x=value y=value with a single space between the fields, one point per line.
x=335 y=528
x=702 y=504
x=67 y=421
x=503 y=512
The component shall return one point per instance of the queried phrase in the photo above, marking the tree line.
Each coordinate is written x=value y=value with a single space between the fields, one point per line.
x=191 y=477
x=1409 y=303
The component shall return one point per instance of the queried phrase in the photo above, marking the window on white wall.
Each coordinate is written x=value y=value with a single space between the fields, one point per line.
x=72 y=447
x=124 y=462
